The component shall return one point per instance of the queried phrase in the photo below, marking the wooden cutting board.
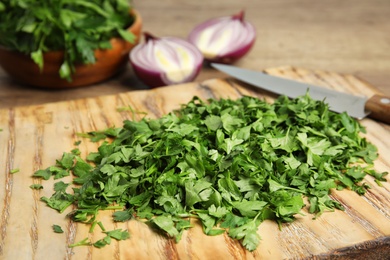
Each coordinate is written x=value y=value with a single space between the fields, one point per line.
x=34 y=137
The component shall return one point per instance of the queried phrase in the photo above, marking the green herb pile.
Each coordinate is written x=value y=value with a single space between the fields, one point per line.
x=77 y=26
x=230 y=164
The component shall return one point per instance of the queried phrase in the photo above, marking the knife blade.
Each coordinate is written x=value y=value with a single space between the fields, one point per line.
x=376 y=107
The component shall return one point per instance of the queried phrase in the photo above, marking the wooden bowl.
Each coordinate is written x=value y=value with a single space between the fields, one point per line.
x=108 y=63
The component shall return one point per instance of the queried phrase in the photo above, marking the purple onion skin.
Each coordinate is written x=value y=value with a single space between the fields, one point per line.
x=150 y=78
x=158 y=78
x=233 y=55
x=153 y=79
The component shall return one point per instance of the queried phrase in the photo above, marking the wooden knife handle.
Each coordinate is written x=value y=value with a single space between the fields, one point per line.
x=379 y=108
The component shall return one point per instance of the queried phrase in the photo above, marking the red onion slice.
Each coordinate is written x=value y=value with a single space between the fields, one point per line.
x=224 y=39
x=165 y=61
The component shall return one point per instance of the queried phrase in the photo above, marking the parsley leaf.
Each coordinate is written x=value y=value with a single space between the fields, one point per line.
x=57 y=229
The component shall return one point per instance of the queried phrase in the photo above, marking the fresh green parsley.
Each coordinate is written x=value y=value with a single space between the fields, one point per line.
x=57 y=229
x=116 y=234
x=13 y=171
x=231 y=164
x=84 y=242
x=36 y=186
x=79 y=27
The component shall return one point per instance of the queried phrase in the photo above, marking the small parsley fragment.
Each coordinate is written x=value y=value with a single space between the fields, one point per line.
x=84 y=242
x=60 y=200
x=36 y=186
x=172 y=226
x=130 y=109
x=13 y=171
x=115 y=234
x=57 y=229
x=230 y=164
x=97 y=136
x=122 y=216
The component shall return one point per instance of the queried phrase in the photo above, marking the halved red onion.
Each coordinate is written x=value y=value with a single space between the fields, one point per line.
x=165 y=61
x=224 y=39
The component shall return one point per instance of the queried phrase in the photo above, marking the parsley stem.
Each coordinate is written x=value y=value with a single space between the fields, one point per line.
x=83 y=242
x=14 y=171
x=101 y=226
x=93 y=225
x=258 y=214
x=113 y=207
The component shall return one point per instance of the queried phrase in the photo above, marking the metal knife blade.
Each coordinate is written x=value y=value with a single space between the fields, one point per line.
x=356 y=106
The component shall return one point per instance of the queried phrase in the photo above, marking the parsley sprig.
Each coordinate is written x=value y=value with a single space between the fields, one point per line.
x=78 y=27
x=231 y=164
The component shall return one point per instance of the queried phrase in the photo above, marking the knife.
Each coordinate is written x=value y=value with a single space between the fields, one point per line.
x=376 y=107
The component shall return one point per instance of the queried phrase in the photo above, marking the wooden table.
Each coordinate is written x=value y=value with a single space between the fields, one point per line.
x=350 y=36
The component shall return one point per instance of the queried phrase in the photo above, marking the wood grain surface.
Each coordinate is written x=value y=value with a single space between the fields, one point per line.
x=348 y=37
x=33 y=137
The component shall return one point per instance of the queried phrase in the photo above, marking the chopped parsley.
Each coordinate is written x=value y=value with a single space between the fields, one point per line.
x=36 y=186
x=13 y=171
x=57 y=229
x=231 y=164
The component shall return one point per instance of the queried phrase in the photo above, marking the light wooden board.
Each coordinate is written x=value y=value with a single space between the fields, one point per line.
x=34 y=137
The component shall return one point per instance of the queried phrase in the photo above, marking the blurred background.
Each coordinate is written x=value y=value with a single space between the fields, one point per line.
x=348 y=37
